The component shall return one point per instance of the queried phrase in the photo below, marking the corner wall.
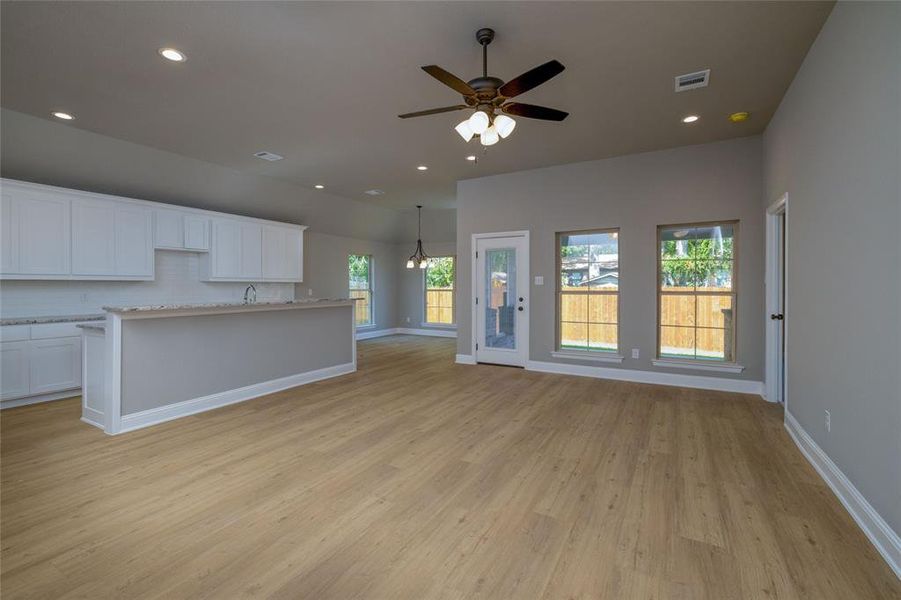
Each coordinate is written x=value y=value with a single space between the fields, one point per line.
x=833 y=146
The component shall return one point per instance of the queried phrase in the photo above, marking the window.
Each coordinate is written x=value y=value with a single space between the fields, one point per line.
x=439 y=291
x=696 y=297
x=360 y=269
x=588 y=291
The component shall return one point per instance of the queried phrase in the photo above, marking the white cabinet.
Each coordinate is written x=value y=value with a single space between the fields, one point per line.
x=111 y=240
x=35 y=230
x=55 y=365
x=178 y=230
x=236 y=251
x=282 y=253
x=14 y=373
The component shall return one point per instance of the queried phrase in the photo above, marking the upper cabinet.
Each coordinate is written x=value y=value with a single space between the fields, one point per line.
x=111 y=240
x=55 y=233
x=35 y=233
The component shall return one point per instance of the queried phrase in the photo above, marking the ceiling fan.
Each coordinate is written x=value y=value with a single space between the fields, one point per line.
x=487 y=95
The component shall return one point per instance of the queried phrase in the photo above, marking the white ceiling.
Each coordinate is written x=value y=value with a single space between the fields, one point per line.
x=322 y=83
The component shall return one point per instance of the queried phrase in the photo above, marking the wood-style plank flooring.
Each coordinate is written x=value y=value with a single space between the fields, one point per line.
x=417 y=478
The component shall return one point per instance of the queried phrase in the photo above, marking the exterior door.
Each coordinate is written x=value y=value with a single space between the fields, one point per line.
x=501 y=302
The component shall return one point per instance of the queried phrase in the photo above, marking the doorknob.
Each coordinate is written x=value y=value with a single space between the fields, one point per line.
x=520 y=299
x=777 y=317
x=519 y=309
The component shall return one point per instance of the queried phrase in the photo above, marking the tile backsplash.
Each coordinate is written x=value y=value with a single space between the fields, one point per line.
x=177 y=281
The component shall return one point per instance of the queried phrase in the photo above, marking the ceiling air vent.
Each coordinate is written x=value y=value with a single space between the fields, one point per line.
x=270 y=156
x=691 y=81
x=374 y=192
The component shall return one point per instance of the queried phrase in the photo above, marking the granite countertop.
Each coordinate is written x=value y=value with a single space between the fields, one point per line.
x=51 y=319
x=212 y=305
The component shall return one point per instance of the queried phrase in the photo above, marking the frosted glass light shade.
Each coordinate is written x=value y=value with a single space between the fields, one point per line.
x=504 y=125
x=489 y=137
x=410 y=264
x=465 y=130
x=479 y=122
x=423 y=264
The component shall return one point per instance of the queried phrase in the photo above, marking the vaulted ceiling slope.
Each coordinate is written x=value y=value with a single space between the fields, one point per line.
x=322 y=82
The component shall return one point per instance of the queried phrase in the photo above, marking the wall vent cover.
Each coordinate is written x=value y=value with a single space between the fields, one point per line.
x=270 y=156
x=692 y=81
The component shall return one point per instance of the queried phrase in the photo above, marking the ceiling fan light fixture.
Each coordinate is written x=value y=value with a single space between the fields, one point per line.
x=489 y=137
x=479 y=122
x=465 y=130
x=504 y=125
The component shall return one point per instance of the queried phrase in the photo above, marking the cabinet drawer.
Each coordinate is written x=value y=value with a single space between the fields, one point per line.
x=15 y=333
x=48 y=331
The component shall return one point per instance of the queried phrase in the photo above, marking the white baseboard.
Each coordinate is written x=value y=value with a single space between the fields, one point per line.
x=886 y=541
x=375 y=333
x=465 y=359
x=446 y=333
x=741 y=386
x=169 y=412
x=40 y=398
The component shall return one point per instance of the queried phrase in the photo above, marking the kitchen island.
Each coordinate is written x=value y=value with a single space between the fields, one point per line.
x=145 y=365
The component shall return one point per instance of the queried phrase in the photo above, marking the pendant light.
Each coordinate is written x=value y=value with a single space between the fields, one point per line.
x=419 y=257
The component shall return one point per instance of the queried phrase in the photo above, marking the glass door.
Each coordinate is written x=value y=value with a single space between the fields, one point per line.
x=501 y=300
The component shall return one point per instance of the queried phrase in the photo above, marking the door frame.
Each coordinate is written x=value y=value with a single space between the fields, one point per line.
x=523 y=334
x=774 y=212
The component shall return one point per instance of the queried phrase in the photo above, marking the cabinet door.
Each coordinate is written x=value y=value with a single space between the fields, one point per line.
x=134 y=243
x=168 y=231
x=43 y=221
x=55 y=365
x=93 y=237
x=274 y=252
x=251 y=251
x=9 y=234
x=197 y=236
x=294 y=254
x=13 y=369
x=225 y=254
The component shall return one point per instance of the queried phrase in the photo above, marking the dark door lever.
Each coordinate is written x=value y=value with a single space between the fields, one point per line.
x=777 y=317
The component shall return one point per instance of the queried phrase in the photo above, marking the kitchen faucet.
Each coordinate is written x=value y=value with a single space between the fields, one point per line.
x=250 y=295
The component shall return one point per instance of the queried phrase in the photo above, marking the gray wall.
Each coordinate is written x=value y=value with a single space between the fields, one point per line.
x=833 y=146
x=411 y=285
x=169 y=360
x=636 y=193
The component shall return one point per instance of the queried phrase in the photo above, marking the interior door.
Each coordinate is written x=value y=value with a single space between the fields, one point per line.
x=501 y=302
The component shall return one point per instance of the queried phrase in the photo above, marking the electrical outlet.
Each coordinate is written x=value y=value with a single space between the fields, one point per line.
x=635 y=353
x=828 y=421
x=539 y=280
x=310 y=292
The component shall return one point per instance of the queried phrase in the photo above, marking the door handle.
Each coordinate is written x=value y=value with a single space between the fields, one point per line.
x=519 y=309
x=777 y=317
x=520 y=298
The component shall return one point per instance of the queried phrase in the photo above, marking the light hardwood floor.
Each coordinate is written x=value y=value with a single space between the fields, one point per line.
x=418 y=478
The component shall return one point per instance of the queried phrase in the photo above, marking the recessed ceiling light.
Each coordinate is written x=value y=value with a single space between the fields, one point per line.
x=739 y=117
x=270 y=156
x=319 y=186
x=471 y=158
x=374 y=192
x=62 y=115
x=690 y=119
x=422 y=168
x=172 y=54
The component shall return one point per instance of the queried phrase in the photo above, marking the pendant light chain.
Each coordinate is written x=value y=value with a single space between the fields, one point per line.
x=419 y=258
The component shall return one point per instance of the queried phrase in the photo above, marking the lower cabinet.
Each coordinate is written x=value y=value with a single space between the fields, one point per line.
x=14 y=375
x=40 y=365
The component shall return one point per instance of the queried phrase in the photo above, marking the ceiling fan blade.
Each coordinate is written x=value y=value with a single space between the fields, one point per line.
x=531 y=79
x=433 y=111
x=532 y=111
x=449 y=79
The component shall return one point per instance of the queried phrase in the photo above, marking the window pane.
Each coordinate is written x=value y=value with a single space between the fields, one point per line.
x=602 y=337
x=712 y=344
x=574 y=335
x=677 y=275
x=602 y=308
x=674 y=242
x=714 y=275
x=358 y=269
x=712 y=242
x=362 y=307
x=677 y=342
x=604 y=276
x=713 y=311
x=574 y=307
x=677 y=309
x=440 y=273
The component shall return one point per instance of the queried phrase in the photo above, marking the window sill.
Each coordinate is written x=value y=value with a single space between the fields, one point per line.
x=438 y=325
x=592 y=356
x=370 y=326
x=672 y=363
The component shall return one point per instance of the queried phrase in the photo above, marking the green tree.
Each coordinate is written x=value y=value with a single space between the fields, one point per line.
x=440 y=272
x=358 y=268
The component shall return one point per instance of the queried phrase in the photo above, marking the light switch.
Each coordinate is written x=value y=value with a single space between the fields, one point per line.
x=539 y=280
x=635 y=353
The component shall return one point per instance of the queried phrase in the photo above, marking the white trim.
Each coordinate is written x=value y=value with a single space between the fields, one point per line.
x=444 y=326
x=169 y=412
x=49 y=397
x=445 y=333
x=465 y=359
x=605 y=357
x=771 y=291
x=741 y=386
x=668 y=363
x=96 y=422
x=886 y=541
x=369 y=333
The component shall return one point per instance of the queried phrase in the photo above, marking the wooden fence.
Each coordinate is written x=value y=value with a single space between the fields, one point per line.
x=440 y=306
